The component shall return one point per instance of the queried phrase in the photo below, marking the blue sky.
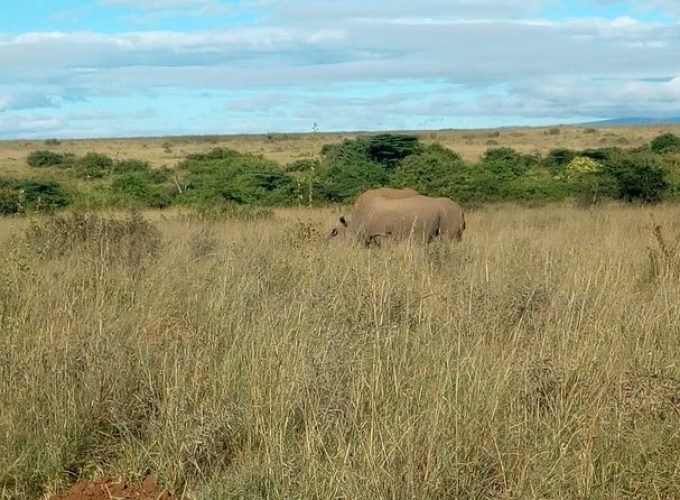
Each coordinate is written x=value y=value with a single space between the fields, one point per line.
x=114 y=68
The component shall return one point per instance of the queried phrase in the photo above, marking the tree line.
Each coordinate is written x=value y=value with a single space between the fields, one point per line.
x=646 y=174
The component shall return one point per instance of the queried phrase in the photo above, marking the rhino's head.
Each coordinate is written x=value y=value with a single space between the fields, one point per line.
x=339 y=230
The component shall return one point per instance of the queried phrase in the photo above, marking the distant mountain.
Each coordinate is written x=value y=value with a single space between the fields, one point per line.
x=636 y=120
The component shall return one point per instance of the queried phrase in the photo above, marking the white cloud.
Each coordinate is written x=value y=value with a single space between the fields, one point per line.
x=453 y=58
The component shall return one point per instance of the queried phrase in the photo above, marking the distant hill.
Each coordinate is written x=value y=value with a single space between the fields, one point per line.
x=636 y=120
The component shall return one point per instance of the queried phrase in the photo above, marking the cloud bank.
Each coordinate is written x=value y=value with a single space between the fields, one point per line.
x=350 y=65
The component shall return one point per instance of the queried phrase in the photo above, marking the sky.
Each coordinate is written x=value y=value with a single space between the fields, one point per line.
x=127 y=68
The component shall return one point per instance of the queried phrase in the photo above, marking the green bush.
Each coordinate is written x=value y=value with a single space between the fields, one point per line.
x=536 y=185
x=352 y=166
x=598 y=154
x=215 y=154
x=133 y=184
x=130 y=165
x=94 y=166
x=480 y=186
x=665 y=143
x=142 y=188
x=31 y=195
x=226 y=175
x=586 y=181
x=437 y=171
x=506 y=162
x=501 y=174
x=43 y=194
x=557 y=159
x=388 y=150
x=348 y=151
x=46 y=158
x=343 y=181
x=303 y=165
x=159 y=175
x=637 y=176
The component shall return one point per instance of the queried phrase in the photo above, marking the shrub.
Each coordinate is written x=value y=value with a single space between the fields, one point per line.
x=599 y=154
x=304 y=165
x=388 y=150
x=665 y=143
x=141 y=188
x=43 y=195
x=437 y=171
x=31 y=195
x=46 y=158
x=133 y=184
x=536 y=185
x=343 y=181
x=130 y=165
x=637 y=176
x=94 y=166
x=582 y=165
x=557 y=159
x=213 y=154
x=586 y=181
x=227 y=175
x=349 y=150
x=159 y=175
x=506 y=162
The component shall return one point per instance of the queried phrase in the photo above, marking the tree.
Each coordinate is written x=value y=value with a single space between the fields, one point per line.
x=390 y=149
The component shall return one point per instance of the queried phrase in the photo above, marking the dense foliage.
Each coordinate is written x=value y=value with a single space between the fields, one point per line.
x=343 y=170
x=17 y=196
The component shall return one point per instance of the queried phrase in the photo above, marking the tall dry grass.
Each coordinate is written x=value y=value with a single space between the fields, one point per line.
x=251 y=359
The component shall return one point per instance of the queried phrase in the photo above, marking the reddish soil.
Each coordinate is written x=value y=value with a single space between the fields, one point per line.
x=107 y=489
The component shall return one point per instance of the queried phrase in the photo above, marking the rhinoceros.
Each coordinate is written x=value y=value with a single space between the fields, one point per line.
x=421 y=218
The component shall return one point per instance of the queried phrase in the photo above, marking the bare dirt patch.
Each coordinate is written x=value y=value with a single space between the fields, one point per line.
x=108 y=488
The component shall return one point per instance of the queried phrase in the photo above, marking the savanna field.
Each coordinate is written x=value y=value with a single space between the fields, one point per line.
x=237 y=353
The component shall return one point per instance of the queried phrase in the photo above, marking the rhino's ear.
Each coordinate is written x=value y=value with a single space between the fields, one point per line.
x=343 y=221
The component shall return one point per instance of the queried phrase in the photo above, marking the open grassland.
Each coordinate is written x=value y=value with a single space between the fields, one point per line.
x=239 y=358
x=285 y=148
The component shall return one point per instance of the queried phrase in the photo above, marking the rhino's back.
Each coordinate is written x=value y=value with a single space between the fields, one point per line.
x=399 y=217
x=384 y=192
